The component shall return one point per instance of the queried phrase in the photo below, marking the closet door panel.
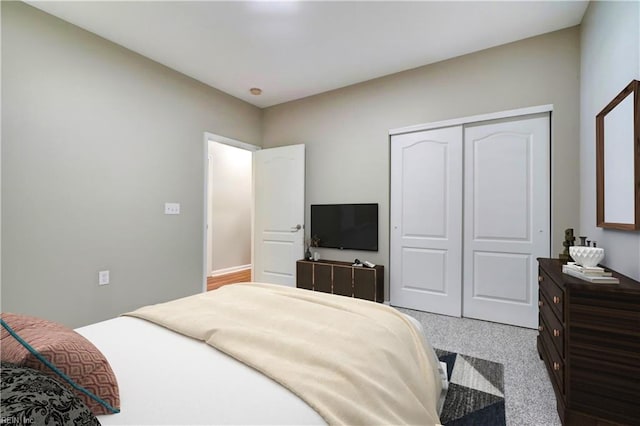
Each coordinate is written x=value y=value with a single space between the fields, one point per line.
x=507 y=219
x=426 y=162
x=493 y=275
x=415 y=263
x=426 y=216
x=502 y=199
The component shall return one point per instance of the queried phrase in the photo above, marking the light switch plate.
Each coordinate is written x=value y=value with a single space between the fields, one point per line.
x=103 y=277
x=171 y=208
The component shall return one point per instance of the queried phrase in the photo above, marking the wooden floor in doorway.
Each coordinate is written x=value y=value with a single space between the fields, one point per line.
x=230 y=278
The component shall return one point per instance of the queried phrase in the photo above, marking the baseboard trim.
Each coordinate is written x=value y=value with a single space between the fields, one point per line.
x=229 y=270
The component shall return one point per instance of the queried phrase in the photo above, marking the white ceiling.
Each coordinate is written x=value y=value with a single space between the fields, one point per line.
x=294 y=49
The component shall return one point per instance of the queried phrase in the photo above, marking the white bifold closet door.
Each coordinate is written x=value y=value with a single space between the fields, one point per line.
x=470 y=213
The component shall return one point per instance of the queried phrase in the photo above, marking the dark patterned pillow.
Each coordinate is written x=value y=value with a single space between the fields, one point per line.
x=30 y=397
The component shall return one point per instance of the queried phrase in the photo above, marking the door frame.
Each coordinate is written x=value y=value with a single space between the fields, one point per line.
x=231 y=142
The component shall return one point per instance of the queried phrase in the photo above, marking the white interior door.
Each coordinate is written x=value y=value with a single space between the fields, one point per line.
x=278 y=182
x=506 y=218
x=426 y=218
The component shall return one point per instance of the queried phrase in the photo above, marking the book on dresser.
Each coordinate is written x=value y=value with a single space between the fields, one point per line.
x=593 y=274
x=589 y=340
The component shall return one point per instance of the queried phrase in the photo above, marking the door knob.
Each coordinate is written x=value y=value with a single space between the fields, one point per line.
x=296 y=228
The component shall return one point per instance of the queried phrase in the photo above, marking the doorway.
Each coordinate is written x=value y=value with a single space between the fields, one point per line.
x=276 y=205
x=228 y=211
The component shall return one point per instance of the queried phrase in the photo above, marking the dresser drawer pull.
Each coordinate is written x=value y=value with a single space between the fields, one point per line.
x=556 y=366
x=556 y=333
x=556 y=299
x=540 y=303
x=541 y=328
x=540 y=278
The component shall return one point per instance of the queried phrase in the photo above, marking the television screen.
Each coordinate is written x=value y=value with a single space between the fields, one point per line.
x=345 y=226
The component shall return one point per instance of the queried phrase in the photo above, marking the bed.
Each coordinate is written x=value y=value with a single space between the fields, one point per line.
x=167 y=373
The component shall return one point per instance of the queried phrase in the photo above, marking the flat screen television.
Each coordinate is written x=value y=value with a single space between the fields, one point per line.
x=345 y=226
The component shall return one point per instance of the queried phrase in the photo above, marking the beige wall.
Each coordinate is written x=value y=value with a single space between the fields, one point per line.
x=94 y=140
x=231 y=201
x=346 y=130
x=610 y=59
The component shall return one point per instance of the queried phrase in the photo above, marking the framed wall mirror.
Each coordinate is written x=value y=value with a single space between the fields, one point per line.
x=618 y=161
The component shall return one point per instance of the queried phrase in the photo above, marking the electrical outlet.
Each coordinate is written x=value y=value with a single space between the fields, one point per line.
x=171 y=208
x=103 y=277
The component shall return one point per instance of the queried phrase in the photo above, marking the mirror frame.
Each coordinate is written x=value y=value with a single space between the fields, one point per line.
x=631 y=90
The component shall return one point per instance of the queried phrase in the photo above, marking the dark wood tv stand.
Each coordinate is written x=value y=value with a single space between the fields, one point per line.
x=590 y=342
x=342 y=278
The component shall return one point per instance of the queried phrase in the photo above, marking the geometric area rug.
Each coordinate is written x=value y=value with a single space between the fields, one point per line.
x=476 y=391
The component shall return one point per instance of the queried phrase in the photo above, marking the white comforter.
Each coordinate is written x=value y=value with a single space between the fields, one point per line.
x=168 y=378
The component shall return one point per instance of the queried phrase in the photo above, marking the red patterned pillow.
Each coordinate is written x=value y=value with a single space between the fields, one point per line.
x=12 y=351
x=69 y=352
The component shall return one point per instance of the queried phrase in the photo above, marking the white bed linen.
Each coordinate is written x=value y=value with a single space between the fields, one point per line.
x=166 y=378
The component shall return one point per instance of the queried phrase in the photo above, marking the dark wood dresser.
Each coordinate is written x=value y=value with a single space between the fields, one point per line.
x=335 y=277
x=589 y=339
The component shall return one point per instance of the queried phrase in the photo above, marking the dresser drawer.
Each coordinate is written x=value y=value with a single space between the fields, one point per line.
x=552 y=326
x=553 y=360
x=554 y=294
